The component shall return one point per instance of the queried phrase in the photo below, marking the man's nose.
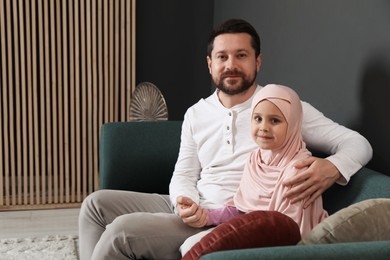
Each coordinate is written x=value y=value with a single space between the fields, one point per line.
x=231 y=63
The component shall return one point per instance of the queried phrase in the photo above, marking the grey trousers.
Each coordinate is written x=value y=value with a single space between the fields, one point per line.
x=129 y=225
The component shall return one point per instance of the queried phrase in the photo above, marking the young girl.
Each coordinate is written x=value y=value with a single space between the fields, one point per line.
x=276 y=128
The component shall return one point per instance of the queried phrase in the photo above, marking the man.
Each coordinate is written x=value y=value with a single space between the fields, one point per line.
x=215 y=144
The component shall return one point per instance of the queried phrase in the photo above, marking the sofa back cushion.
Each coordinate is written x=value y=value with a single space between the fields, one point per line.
x=138 y=156
x=365 y=184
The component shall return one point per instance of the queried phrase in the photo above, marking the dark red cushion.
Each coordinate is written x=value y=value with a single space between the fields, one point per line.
x=251 y=230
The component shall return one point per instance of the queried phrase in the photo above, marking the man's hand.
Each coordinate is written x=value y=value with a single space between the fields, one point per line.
x=191 y=213
x=312 y=182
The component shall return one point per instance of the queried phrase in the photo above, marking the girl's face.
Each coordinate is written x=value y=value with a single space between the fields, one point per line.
x=269 y=127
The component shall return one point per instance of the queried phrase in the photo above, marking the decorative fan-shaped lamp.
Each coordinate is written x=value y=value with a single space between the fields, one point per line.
x=148 y=103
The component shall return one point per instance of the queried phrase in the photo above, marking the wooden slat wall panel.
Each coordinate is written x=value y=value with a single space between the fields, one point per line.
x=67 y=67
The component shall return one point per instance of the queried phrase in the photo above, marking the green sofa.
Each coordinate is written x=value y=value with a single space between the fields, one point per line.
x=140 y=156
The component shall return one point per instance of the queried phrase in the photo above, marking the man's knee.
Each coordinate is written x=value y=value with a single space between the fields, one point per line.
x=131 y=225
x=95 y=198
x=93 y=204
x=145 y=235
x=143 y=224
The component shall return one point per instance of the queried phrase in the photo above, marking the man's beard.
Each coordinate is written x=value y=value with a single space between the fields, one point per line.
x=244 y=86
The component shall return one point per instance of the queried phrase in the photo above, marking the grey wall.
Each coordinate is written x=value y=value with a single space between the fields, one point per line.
x=171 y=44
x=336 y=54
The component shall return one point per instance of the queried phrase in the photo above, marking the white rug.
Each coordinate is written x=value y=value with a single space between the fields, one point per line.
x=58 y=247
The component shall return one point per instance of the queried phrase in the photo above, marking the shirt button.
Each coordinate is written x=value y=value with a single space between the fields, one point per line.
x=228 y=142
x=230 y=113
x=227 y=127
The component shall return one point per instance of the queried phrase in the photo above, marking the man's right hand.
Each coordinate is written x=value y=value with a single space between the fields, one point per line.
x=191 y=213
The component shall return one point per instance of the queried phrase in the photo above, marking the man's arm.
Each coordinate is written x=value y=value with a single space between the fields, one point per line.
x=312 y=182
x=187 y=169
x=348 y=150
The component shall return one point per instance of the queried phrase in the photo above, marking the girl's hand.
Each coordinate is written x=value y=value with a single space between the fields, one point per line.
x=191 y=213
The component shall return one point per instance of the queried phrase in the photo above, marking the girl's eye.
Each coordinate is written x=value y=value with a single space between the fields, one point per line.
x=257 y=119
x=275 y=121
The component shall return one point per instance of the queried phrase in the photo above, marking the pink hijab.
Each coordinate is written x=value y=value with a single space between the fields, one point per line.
x=261 y=184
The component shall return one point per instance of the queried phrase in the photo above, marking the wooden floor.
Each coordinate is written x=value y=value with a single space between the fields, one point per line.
x=33 y=223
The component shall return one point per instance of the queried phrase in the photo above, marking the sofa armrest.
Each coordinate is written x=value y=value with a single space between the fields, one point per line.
x=365 y=184
x=360 y=250
x=138 y=156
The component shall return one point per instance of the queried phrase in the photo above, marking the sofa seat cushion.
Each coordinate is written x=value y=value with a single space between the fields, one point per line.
x=368 y=220
x=251 y=230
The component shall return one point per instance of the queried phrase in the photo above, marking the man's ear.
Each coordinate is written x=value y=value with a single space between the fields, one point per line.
x=209 y=63
x=258 y=62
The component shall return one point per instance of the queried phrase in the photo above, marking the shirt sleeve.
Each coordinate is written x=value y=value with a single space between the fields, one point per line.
x=221 y=215
x=347 y=149
x=187 y=169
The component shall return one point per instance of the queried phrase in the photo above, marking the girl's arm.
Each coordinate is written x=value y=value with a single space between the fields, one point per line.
x=221 y=215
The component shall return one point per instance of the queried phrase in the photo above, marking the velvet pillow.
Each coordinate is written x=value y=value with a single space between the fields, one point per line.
x=368 y=220
x=251 y=230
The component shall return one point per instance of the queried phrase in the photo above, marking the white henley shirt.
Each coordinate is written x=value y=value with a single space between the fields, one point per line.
x=215 y=143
